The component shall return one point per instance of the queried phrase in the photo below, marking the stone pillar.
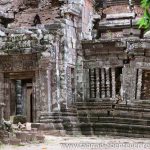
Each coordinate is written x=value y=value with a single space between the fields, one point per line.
x=103 y=82
x=1 y=96
x=19 y=100
x=92 y=83
x=49 y=90
x=7 y=99
x=13 y=97
x=113 y=83
x=36 y=97
x=43 y=90
x=86 y=86
x=24 y=99
x=108 y=82
x=1 y=87
x=45 y=85
x=129 y=83
x=97 y=84
x=139 y=84
x=1 y=112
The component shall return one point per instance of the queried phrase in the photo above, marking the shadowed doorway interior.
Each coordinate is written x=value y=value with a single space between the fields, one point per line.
x=19 y=95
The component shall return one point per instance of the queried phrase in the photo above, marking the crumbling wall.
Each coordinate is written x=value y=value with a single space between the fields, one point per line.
x=25 y=11
x=87 y=18
x=45 y=44
x=53 y=29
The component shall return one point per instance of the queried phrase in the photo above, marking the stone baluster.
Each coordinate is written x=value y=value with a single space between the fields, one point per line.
x=113 y=83
x=139 y=84
x=97 y=83
x=49 y=90
x=92 y=83
x=86 y=84
x=103 y=82
x=108 y=82
x=19 y=109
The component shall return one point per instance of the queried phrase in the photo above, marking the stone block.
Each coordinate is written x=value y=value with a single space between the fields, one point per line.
x=45 y=126
x=14 y=141
x=40 y=138
x=35 y=125
x=21 y=136
x=26 y=136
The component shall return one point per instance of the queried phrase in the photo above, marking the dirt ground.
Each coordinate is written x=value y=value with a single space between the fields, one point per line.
x=84 y=143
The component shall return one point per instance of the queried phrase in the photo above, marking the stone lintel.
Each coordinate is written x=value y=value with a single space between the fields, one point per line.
x=101 y=63
x=135 y=46
x=110 y=24
x=120 y=16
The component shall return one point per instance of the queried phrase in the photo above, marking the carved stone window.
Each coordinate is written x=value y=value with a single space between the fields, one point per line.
x=100 y=83
x=104 y=82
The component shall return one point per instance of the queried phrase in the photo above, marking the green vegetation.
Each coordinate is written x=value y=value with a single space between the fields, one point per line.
x=19 y=118
x=144 y=22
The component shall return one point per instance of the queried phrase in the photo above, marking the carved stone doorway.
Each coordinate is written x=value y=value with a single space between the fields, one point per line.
x=18 y=93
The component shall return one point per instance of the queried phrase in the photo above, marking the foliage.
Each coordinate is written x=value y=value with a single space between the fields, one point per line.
x=19 y=118
x=144 y=22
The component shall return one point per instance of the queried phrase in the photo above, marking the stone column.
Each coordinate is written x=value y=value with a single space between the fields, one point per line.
x=86 y=86
x=19 y=100
x=108 y=82
x=36 y=97
x=1 y=87
x=49 y=90
x=43 y=90
x=129 y=83
x=113 y=83
x=92 y=83
x=97 y=84
x=139 y=84
x=24 y=99
x=103 y=82
x=45 y=85
x=7 y=98
x=1 y=96
x=1 y=112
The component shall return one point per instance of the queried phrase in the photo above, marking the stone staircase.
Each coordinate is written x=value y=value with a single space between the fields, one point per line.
x=100 y=118
x=60 y=123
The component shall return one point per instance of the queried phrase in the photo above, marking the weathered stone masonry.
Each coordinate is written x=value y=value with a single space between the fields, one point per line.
x=118 y=56
x=115 y=73
x=39 y=43
x=77 y=65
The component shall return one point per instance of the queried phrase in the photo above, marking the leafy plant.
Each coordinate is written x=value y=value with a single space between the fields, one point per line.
x=144 y=22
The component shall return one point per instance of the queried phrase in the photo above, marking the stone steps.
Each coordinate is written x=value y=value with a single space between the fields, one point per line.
x=61 y=121
x=107 y=118
x=114 y=107
x=54 y=120
x=101 y=118
x=114 y=129
x=114 y=120
x=116 y=113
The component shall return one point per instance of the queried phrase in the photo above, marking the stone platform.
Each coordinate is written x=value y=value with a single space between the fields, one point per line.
x=99 y=118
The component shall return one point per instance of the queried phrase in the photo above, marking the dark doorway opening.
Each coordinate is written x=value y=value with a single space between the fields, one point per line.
x=19 y=95
x=118 y=73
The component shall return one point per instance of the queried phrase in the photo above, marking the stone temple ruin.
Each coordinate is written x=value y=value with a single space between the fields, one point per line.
x=75 y=66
